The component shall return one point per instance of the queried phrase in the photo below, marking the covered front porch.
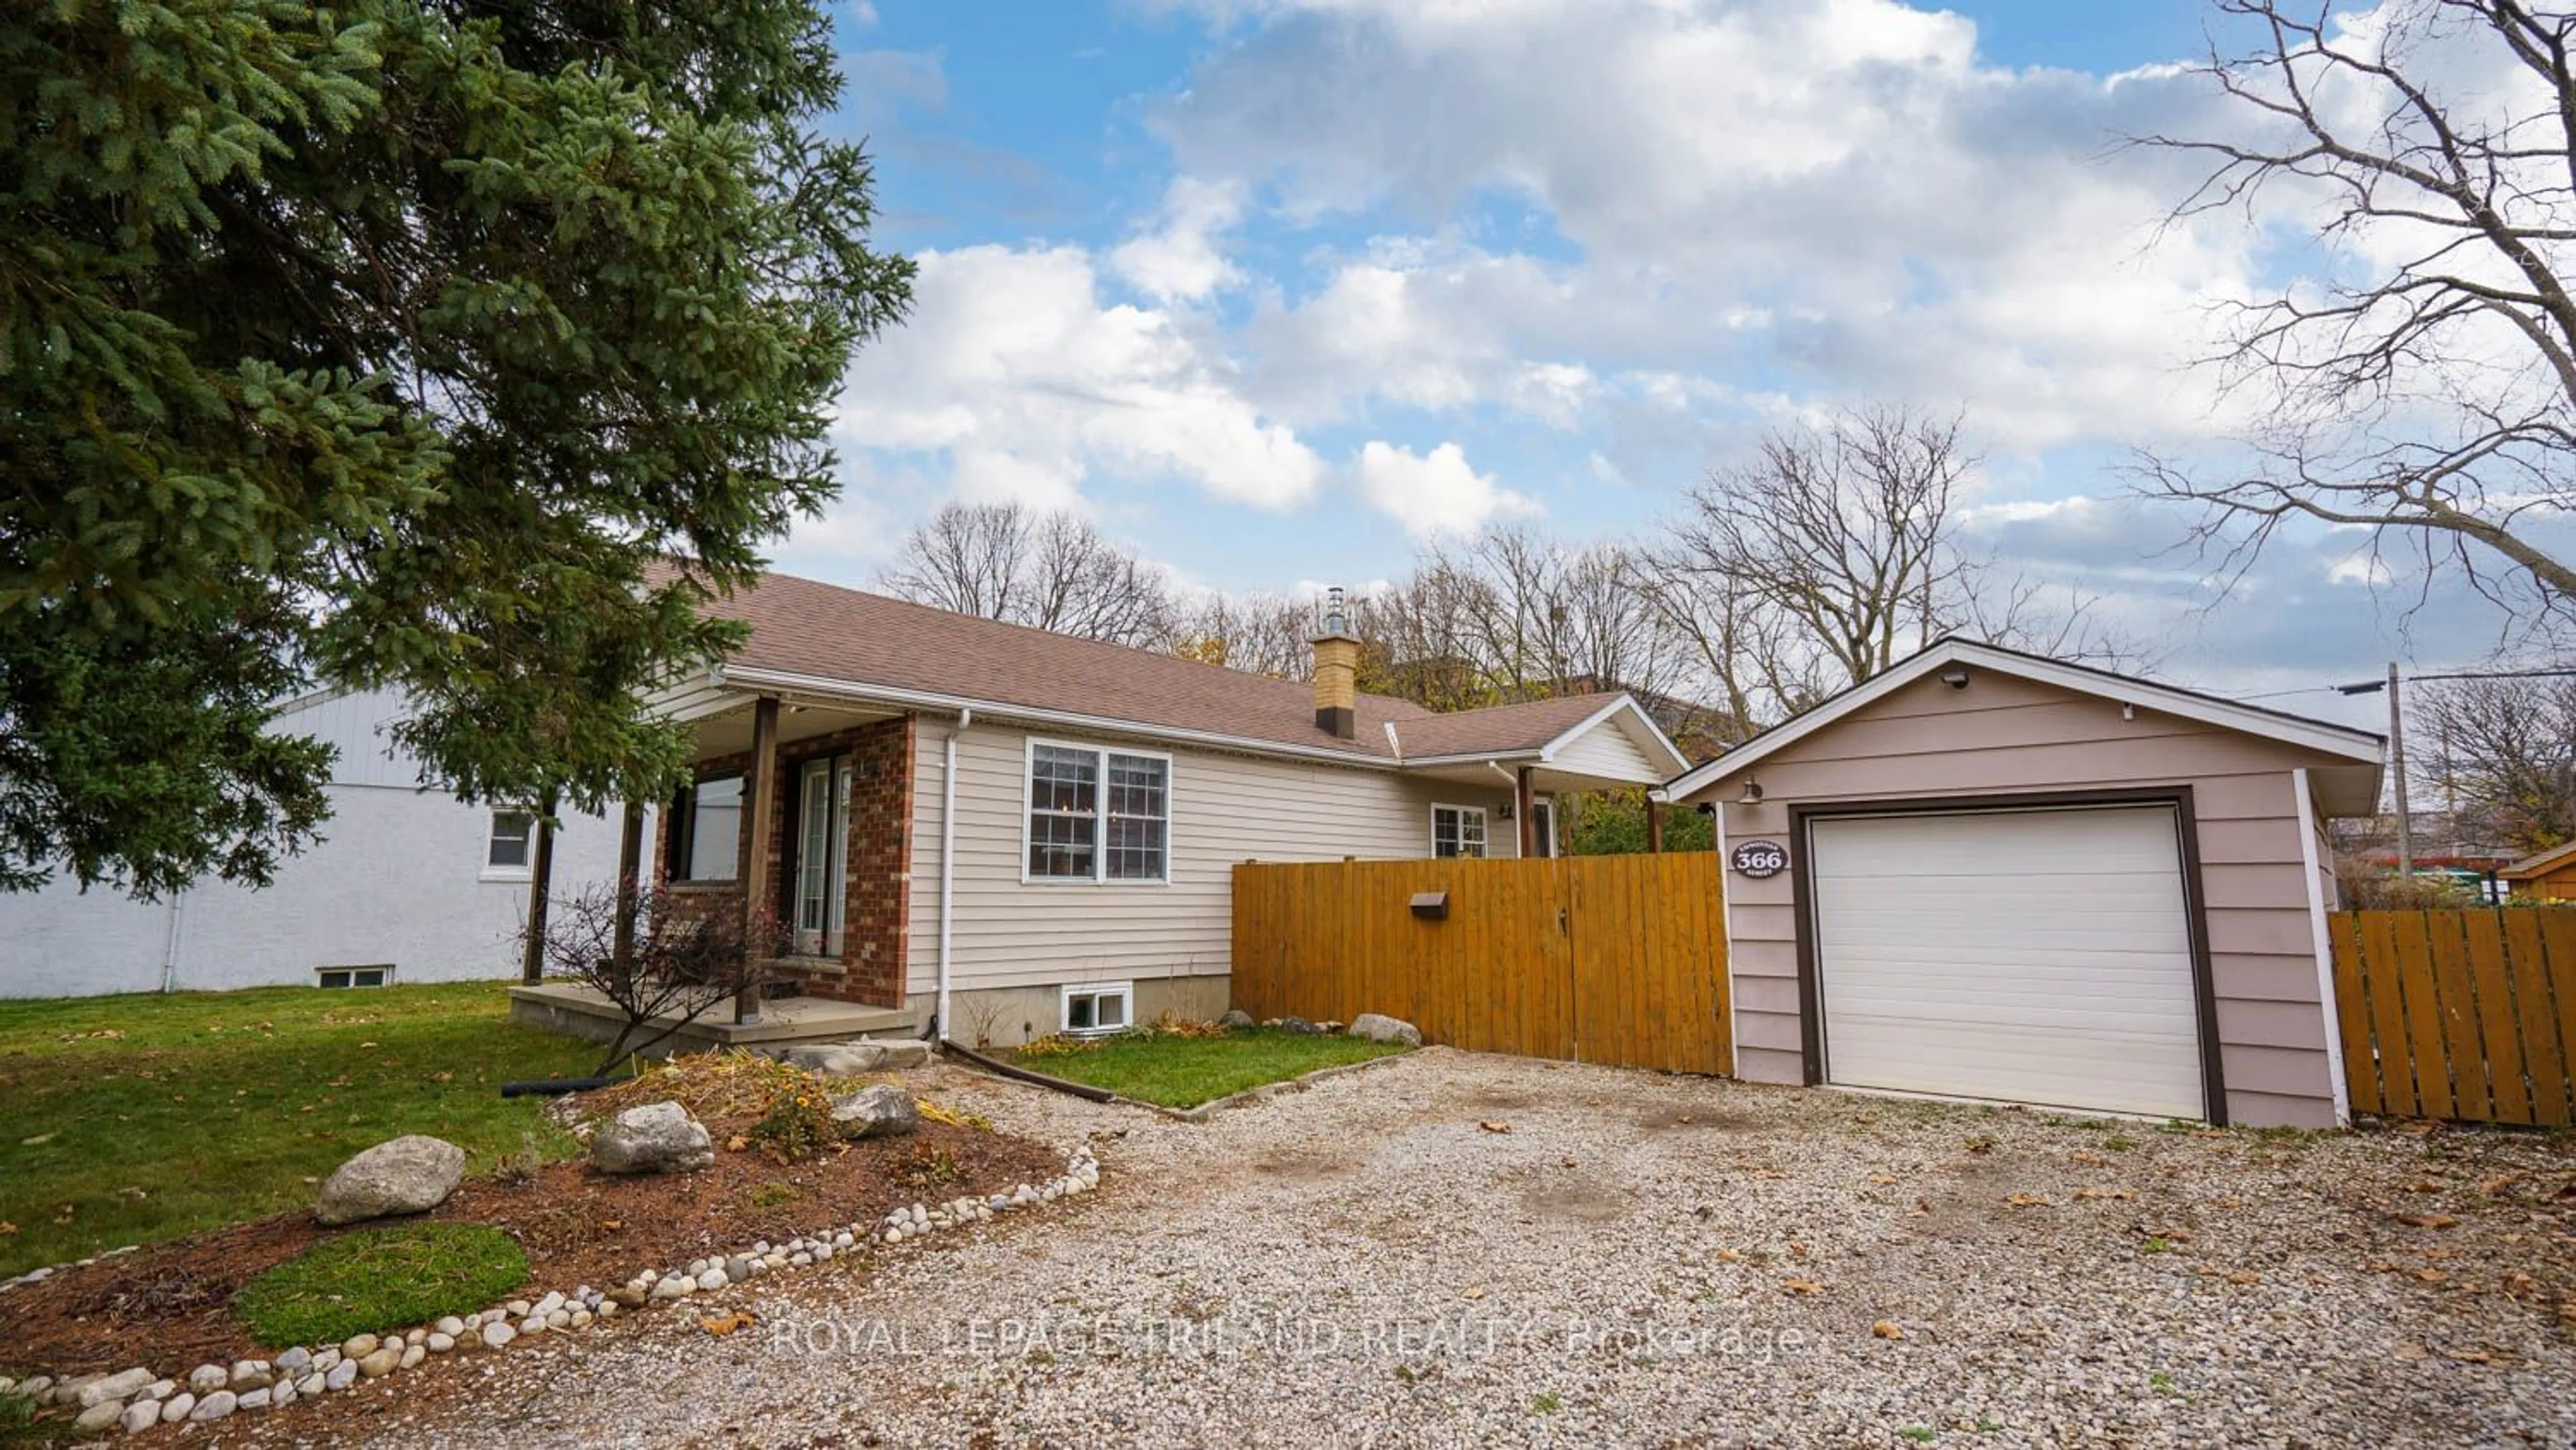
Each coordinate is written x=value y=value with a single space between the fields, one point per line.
x=798 y=817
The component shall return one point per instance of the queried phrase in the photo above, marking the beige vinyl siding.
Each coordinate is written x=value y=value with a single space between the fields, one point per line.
x=2005 y=735
x=1225 y=809
x=1607 y=749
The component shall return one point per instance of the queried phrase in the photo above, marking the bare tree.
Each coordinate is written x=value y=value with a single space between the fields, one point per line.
x=679 y=964
x=2423 y=390
x=2503 y=752
x=1835 y=553
x=1266 y=634
x=1049 y=571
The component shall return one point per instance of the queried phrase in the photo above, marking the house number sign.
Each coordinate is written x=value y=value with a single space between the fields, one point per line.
x=1759 y=859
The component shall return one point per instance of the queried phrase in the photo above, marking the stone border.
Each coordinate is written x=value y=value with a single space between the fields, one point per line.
x=136 y=1399
x=1263 y=1092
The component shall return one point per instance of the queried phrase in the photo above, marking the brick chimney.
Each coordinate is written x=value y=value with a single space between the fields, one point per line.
x=1337 y=669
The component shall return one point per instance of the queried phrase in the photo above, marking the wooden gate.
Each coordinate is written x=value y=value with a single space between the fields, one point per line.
x=1609 y=959
x=2459 y=1014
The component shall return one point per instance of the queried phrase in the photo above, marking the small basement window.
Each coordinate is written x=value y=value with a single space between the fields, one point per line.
x=354 y=976
x=1097 y=1008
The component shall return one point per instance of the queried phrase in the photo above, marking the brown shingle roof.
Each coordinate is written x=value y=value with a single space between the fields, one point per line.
x=1499 y=729
x=847 y=636
x=844 y=635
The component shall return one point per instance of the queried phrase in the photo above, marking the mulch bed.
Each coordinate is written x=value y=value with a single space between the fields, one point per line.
x=169 y=1306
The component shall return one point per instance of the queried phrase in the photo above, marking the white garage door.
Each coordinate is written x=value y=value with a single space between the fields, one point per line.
x=2039 y=956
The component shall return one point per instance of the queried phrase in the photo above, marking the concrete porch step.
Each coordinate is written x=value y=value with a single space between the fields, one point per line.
x=788 y=1021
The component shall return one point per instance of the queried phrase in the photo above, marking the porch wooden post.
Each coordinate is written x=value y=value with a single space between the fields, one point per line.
x=541 y=878
x=1525 y=806
x=759 y=814
x=630 y=865
x=1654 y=826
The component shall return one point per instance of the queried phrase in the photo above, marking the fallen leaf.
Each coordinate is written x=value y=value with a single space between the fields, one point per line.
x=7 y=1227
x=1728 y=1256
x=2245 y=1276
x=1804 y=1286
x=1768 y=1173
x=2427 y=1220
x=1491 y=1126
x=1684 y=1118
x=2469 y=1356
x=2087 y=1160
x=1797 y=1251
x=612 y=1224
x=736 y=1143
x=32 y=1142
x=2499 y=1183
x=1473 y=1294
x=1888 y=1329
x=2408 y=1352
x=2027 y=1200
x=2430 y=1276
x=724 y=1324
x=1881 y=1178
x=2106 y=1193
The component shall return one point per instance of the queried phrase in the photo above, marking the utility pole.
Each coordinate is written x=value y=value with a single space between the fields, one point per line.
x=2397 y=770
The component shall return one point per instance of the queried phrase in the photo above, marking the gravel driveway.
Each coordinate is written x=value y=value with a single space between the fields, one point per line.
x=1638 y=1260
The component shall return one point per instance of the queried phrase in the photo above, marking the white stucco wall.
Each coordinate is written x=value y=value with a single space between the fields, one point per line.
x=398 y=878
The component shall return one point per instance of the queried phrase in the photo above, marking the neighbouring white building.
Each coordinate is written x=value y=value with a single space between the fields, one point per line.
x=407 y=885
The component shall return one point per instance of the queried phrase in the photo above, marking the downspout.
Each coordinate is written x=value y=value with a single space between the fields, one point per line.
x=941 y=1027
x=170 y=947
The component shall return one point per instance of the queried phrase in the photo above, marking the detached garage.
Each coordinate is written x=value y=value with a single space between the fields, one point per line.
x=1988 y=875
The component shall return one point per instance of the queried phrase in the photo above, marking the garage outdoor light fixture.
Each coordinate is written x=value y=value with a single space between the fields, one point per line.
x=1752 y=791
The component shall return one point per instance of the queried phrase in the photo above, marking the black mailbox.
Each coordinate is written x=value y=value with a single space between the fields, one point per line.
x=1431 y=905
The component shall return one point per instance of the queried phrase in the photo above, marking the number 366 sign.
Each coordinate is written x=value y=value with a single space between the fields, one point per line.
x=1759 y=859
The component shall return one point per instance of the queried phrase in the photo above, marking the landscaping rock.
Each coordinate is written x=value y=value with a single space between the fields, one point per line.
x=439 y=1342
x=1235 y=1018
x=214 y=1407
x=655 y=1138
x=381 y=1363
x=411 y=1174
x=178 y=1407
x=138 y=1417
x=342 y=1375
x=121 y=1386
x=252 y=1374
x=295 y=1361
x=496 y=1334
x=853 y=1059
x=208 y=1378
x=1377 y=1027
x=1296 y=1024
x=255 y=1400
x=99 y=1416
x=883 y=1111
x=359 y=1346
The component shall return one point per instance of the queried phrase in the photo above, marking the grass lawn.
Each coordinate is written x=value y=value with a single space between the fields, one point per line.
x=1183 y=1072
x=128 y=1120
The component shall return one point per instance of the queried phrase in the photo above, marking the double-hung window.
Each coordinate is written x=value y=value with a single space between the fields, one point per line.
x=1097 y=814
x=1457 y=831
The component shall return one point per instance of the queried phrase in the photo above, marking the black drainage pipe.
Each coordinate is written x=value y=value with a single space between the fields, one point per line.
x=557 y=1087
x=1081 y=1090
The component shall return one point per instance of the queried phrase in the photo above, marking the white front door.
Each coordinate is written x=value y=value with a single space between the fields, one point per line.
x=2028 y=956
x=822 y=856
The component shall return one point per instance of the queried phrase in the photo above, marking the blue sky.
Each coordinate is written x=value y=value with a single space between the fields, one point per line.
x=1277 y=291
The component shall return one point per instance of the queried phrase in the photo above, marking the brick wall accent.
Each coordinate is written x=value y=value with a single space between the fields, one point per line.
x=878 y=905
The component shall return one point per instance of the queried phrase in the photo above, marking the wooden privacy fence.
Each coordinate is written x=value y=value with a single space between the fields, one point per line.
x=1609 y=959
x=2458 y=1014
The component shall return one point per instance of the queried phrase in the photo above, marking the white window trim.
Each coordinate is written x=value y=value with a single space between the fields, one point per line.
x=491 y=822
x=1484 y=817
x=354 y=986
x=1099 y=818
x=1124 y=991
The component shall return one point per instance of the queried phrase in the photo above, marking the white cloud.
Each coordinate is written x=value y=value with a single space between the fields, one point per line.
x=1180 y=261
x=1013 y=369
x=1839 y=190
x=1435 y=493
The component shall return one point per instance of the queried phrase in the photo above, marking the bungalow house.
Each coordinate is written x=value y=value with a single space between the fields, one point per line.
x=1012 y=833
